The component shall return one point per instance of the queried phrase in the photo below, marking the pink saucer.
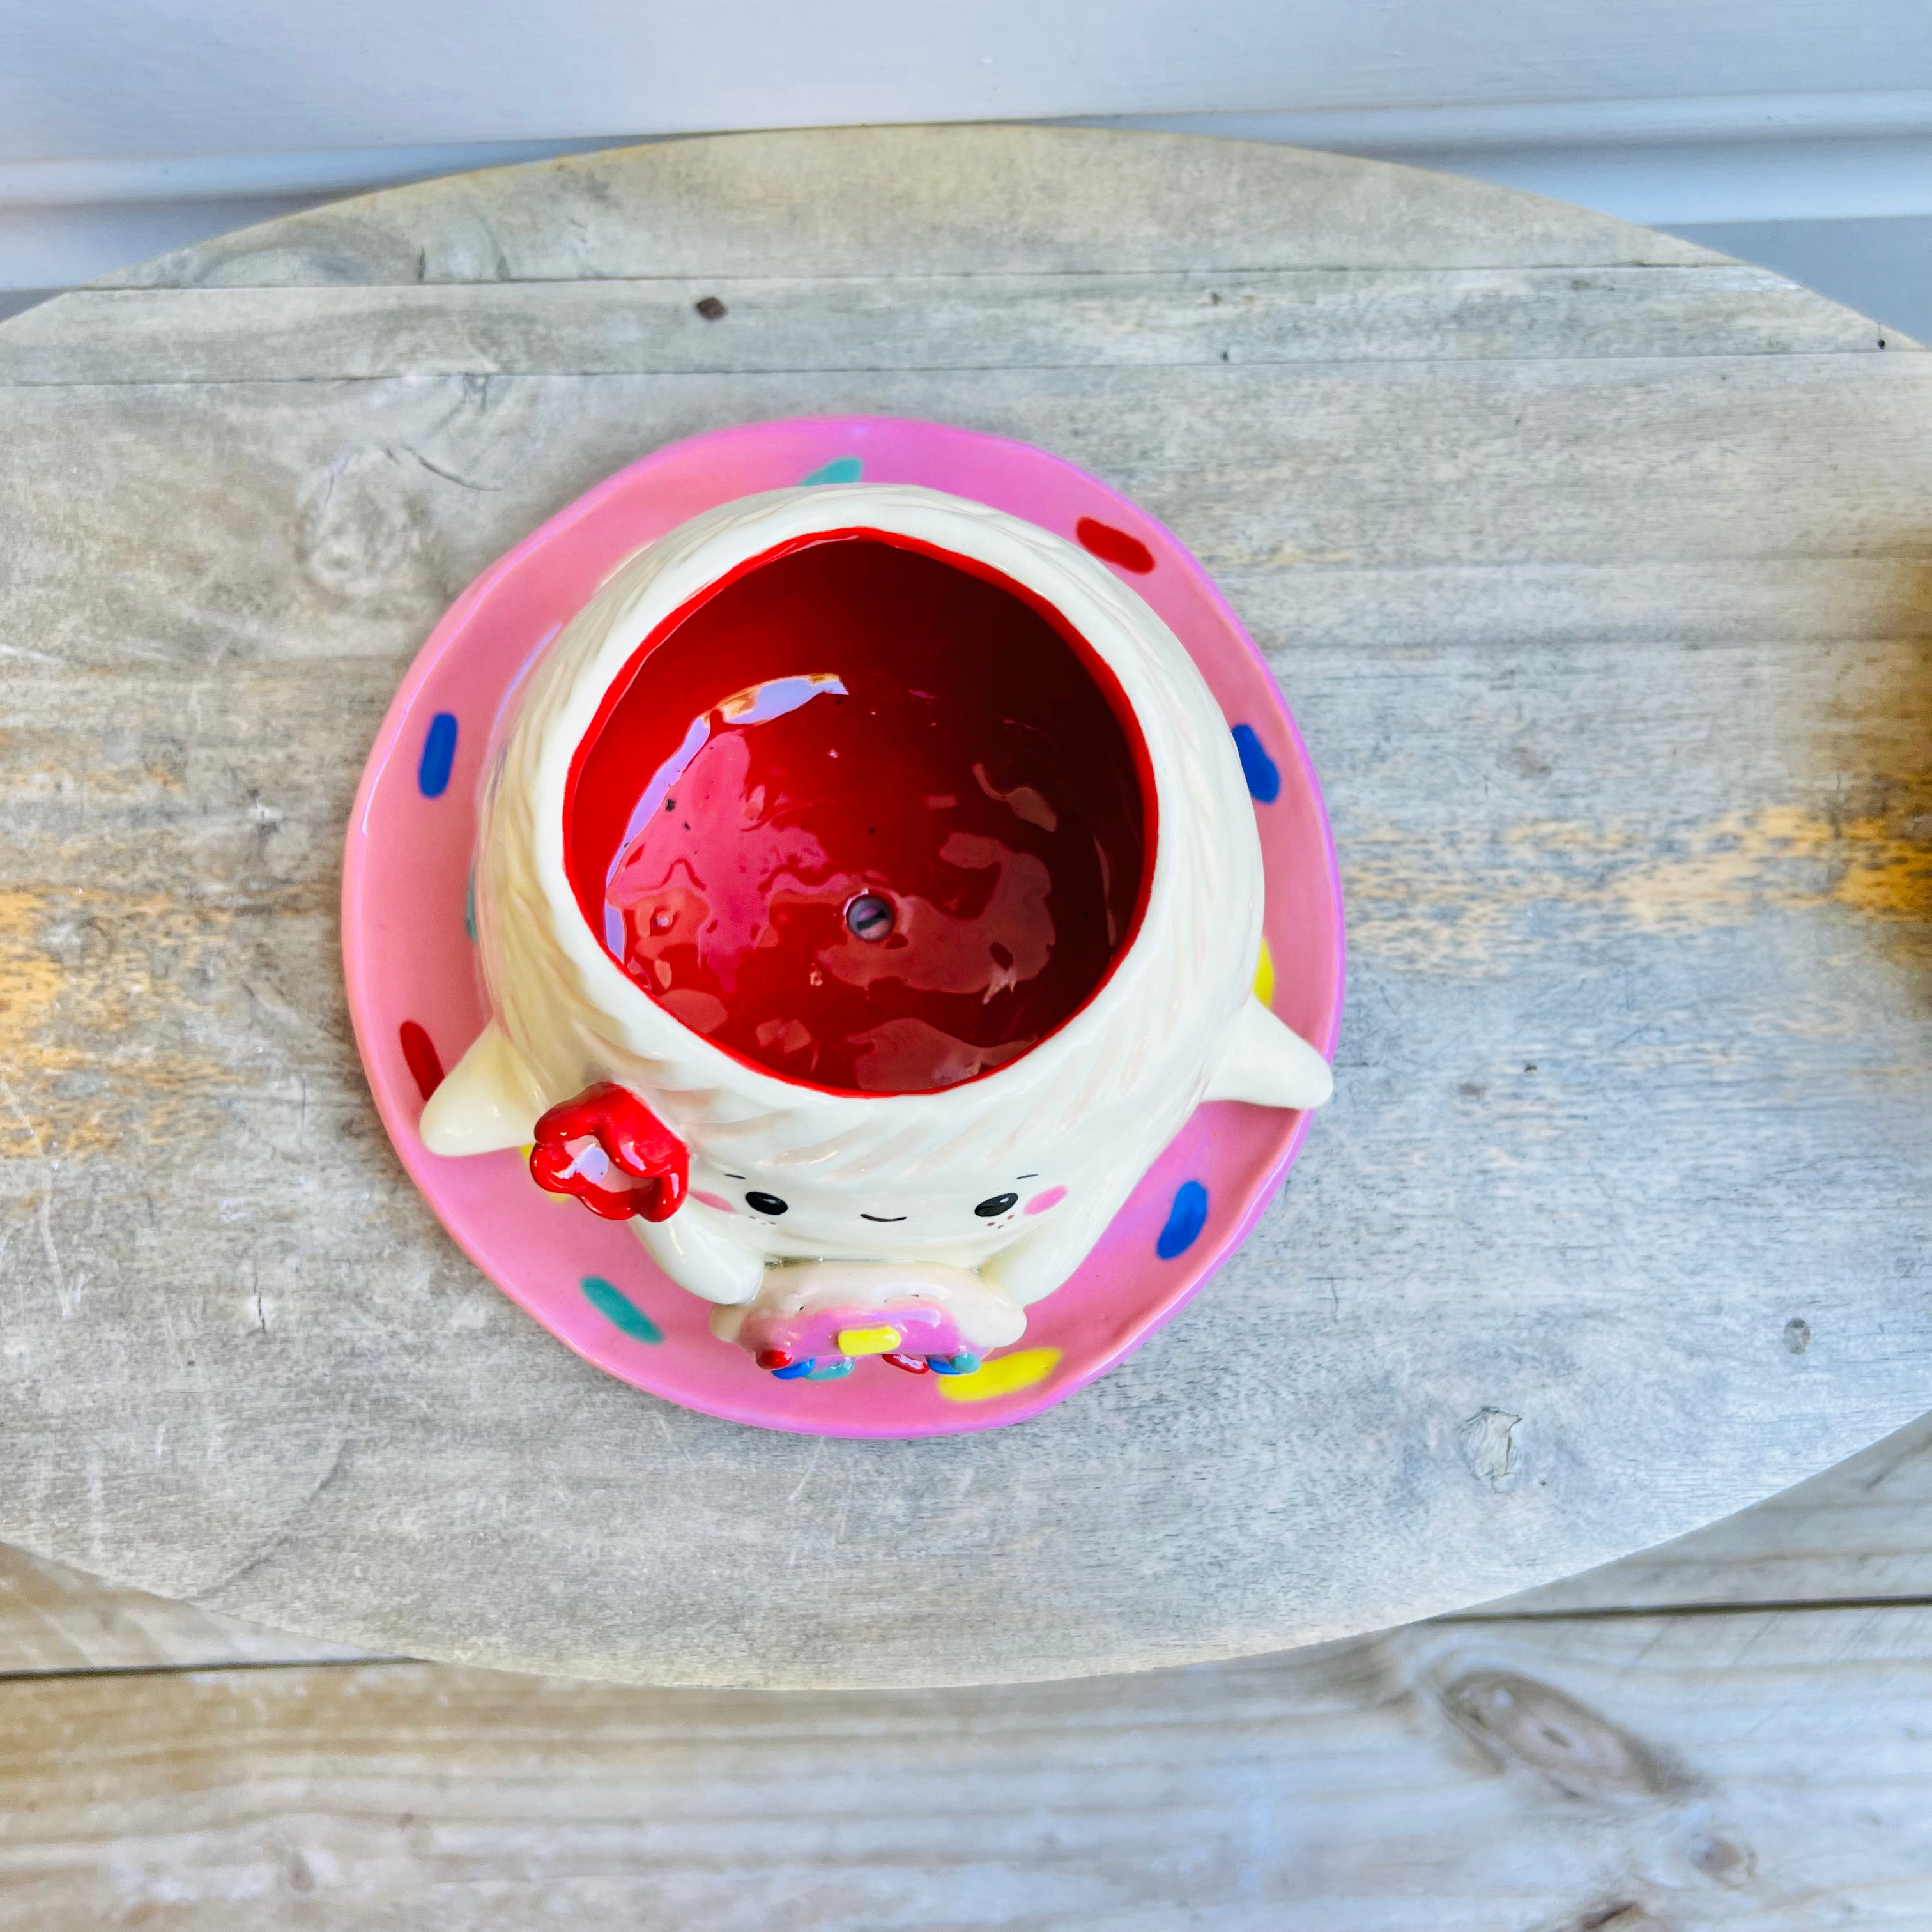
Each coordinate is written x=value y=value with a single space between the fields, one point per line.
x=413 y=988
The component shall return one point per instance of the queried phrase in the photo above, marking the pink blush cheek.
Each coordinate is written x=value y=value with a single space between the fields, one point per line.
x=723 y=1206
x=1040 y=1203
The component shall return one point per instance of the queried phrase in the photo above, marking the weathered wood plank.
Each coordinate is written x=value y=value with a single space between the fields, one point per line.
x=1856 y=1534
x=337 y=519
x=930 y=321
x=1861 y=1532
x=910 y=201
x=1651 y=1775
x=57 y=1621
x=124 y=1080
x=1616 y=669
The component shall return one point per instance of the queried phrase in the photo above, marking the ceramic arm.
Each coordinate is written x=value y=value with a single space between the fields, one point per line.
x=704 y=1259
x=1266 y=1062
x=490 y=1101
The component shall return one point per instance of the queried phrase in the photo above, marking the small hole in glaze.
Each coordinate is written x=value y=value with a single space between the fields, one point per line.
x=869 y=917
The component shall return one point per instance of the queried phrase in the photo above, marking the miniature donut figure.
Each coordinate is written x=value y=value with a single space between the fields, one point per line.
x=867 y=890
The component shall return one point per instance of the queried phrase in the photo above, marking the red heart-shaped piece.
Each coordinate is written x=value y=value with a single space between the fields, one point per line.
x=615 y=1130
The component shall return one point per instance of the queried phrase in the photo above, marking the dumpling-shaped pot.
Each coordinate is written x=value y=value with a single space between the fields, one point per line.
x=867 y=890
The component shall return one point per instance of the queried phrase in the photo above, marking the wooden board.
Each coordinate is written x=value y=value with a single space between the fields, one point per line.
x=1595 y=569
x=58 y=1621
x=1356 y=1787
x=1854 y=1536
x=1646 y=1774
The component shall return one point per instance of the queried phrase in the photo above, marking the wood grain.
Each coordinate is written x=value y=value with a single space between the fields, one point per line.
x=1653 y=1774
x=58 y=1621
x=1612 y=652
x=897 y=202
x=1380 y=1783
x=1047 y=321
x=1855 y=1535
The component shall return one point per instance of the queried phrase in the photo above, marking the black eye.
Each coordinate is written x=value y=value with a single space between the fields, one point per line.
x=997 y=1204
x=764 y=1203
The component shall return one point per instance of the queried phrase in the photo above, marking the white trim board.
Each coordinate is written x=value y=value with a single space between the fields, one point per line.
x=1881 y=268
x=1764 y=158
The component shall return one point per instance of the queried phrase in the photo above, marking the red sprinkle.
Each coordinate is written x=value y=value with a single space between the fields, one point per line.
x=419 y=1051
x=913 y=1365
x=775 y=1358
x=1113 y=546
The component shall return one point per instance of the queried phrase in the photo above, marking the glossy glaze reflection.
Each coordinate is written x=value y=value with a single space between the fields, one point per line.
x=864 y=816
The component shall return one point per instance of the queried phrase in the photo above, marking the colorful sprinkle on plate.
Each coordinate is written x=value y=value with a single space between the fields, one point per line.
x=618 y=1309
x=1263 y=775
x=1113 y=546
x=1264 y=977
x=1004 y=1374
x=439 y=755
x=1185 y=1220
x=419 y=1055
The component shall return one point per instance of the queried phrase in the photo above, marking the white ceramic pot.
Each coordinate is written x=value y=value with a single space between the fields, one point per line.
x=916 y=1223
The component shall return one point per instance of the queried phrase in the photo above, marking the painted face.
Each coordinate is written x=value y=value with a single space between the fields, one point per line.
x=878 y=1219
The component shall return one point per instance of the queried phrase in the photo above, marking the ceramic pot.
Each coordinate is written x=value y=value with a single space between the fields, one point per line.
x=866 y=891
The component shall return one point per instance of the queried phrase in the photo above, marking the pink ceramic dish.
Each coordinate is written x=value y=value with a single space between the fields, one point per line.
x=413 y=988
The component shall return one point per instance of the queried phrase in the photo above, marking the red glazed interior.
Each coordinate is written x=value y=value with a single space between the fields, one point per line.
x=865 y=814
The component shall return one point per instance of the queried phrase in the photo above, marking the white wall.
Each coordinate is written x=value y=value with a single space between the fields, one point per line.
x=125 y=77
x=126 y=125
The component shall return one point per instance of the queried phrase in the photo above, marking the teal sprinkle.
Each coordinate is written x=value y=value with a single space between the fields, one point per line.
x=840 y=469
x=826 y=1369
x=618 y=1309
x=470 y=908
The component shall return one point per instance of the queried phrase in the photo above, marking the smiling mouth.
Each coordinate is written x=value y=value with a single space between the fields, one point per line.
x=882 y=1217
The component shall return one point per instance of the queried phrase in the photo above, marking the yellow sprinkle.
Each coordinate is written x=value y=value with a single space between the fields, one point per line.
x=1006 y=1374
x=868 y=1341
x=1264 y=977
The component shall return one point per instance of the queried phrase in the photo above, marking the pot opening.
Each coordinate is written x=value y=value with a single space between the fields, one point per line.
x=866 y=814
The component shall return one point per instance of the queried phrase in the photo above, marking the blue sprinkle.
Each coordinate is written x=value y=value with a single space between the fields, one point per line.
x=831 y=1369
x=470 y=908
x=792 y=1373
x=1257 y=767
x=1185 y=1220
x=840 y=469
x=438 y=754
x=617 y=1308
x=963 y=1364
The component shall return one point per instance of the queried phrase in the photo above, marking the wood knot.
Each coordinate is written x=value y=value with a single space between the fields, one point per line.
x=358 y=523
x=1536 y=1725
x=1487 y=1440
